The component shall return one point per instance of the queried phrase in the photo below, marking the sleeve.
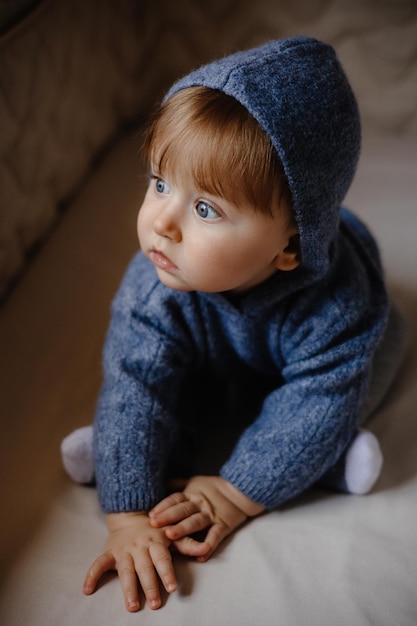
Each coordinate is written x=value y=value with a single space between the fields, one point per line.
x=306 y=424
x=146 y=354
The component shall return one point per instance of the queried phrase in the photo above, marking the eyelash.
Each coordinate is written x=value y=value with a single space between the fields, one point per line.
x=157 y=181
x=202 y=203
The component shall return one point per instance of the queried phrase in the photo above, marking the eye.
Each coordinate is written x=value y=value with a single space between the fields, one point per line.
x=206 y=211
x=161 y=186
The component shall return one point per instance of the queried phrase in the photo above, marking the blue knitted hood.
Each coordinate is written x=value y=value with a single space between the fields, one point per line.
x=297 y=91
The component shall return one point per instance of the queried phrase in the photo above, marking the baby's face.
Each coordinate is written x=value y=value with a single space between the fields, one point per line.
x=201 y=242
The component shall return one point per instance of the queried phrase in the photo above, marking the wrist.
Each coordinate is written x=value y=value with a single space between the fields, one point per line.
x=248 y=506
x=117 y=520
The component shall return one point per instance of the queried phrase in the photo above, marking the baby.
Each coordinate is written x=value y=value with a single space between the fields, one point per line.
x=250 y=277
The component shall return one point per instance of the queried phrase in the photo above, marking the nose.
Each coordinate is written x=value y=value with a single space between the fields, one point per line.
x=167 y=225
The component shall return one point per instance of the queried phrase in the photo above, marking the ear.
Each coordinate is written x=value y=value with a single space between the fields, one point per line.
x=289 y=258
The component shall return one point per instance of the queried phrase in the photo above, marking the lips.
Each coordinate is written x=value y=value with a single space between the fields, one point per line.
x=160 y=260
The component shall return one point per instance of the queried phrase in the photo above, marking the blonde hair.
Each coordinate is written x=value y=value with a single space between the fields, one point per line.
x=209 y=135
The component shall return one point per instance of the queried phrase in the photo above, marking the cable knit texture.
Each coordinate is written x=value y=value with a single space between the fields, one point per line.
x=313 y=330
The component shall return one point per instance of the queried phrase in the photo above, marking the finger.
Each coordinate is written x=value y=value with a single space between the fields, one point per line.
x=214 y=537
x=169 y=501
x=191 y=547
x=149 y=582
x=173 y=514
x=162 y=560
x=188 y=526
x=128 y=582
x=103 y=564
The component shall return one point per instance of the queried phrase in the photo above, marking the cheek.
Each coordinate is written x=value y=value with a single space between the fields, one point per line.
x=142 y=223
x=139 y=228
x=217 y=261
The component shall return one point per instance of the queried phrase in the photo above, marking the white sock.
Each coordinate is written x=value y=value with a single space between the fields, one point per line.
x=363 y=463
x=77 y=455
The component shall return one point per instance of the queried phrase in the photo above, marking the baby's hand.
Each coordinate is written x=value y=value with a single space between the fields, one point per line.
x=135 y=550
x=207 y=502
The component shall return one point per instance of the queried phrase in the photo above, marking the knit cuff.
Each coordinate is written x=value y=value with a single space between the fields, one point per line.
x=258 y=492
x=127 y=501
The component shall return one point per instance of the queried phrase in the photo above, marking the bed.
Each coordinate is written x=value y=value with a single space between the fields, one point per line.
x=325 y=559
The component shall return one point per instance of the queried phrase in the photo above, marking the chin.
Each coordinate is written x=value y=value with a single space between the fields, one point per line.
x=173 y=282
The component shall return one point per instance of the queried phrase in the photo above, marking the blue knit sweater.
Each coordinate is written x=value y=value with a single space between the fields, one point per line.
x=313 y=330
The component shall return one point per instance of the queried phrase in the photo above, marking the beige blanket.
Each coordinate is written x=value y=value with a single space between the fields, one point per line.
x=325 y=560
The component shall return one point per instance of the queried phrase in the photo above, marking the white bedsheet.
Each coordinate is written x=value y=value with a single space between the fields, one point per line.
x=326 y=560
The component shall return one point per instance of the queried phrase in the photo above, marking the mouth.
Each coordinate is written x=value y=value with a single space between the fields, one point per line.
x=159 y=259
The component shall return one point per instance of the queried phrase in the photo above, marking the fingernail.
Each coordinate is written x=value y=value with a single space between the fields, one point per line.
x=155 y=604
x=132 y=604
x=171 y=587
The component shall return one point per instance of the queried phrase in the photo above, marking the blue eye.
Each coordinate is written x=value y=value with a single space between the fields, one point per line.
x=206 y=211
x=161 y=186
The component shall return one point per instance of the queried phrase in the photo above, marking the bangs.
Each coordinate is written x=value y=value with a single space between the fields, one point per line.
x=205 y=134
